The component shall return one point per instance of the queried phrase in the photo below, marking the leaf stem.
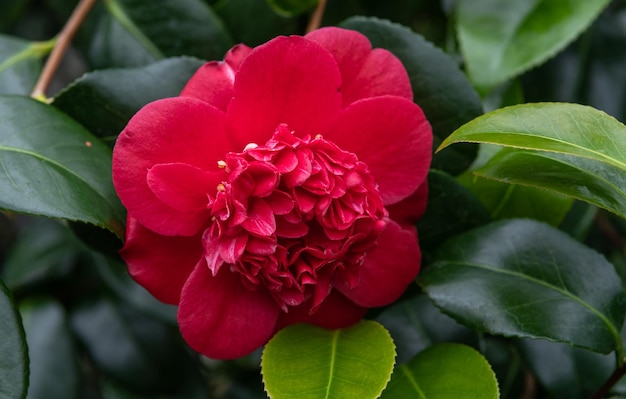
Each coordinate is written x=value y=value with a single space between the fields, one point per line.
x=613 y=379
x=316 y=17
x=63 y=41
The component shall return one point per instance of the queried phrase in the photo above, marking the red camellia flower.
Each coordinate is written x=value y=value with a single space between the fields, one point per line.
x=280 y=187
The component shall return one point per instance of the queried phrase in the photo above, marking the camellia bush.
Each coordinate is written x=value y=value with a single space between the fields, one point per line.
x=337 y=199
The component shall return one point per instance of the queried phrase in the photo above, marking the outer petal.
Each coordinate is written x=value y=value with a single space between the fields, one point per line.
x=387 y=271
x=173 y=130
x=392 y=136
x=220 y=318
x=213 y=82
x=364 y=72
x=160 y=264
x=336 y=311
x=408 y=211
x=287 y=80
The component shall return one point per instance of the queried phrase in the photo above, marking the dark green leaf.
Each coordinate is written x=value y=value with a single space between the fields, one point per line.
x=586 y=179
x=439 y=87
x=444 y=371
x=104 y=101
x=452 y=209
x=324 y=363
x=415 y=324
x=13 y=351
x=566 y=372
x=134 y=32
x=44 y=250
x=20 y=64
x=51 y=166
x=138 y=352
x=290 y=8
x=501 y=38
x=523 y=278
x=54 y=370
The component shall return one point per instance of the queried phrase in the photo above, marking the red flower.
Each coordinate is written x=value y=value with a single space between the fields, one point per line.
x=280 y=187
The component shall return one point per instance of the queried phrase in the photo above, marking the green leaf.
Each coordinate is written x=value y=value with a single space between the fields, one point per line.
x=134 y=32
x=452 y=209
x=354 y=362
x=444 y=371
x=20 y=63
x=585 y=179
x=291 y=8
x=51 y=166
x=13 y=351
x=501 y=39
x=526 y=279
x=54 y=369
x=135 y=351
x=104 y=101
x=439 y=87
x=44 y=250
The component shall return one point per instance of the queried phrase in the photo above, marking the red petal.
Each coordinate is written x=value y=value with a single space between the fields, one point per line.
x=335 y=312
x=387 y=271
x=213 y=83
x=183 y=186
x=220 y=318
x=261 y=220
x=173 y=130
x=364 y=72
x=408 y=211
x=236 y=55
x=159 y=263
x=392 y=136
x=287 y=80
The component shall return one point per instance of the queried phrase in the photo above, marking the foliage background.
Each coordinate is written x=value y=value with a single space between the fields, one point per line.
x=93 y=333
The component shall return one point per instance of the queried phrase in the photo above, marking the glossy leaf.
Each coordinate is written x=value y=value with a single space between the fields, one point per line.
x=444 y=371
x=524 y=278
x=51 y=166
x=585 y=179
x=439 y=87
x=104 y=101
x=354 y=362
x=290 y=8
x=54 y=369
x=13 y=351
x=133 y=33
x=44 y=250
x=20 y=63
x=501 y=39
x=133 y=350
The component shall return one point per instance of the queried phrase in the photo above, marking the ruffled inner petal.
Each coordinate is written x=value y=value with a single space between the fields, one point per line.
x=392 y=136
x=364 y=72
x=160 y=264
x=287 y=80
x=387 y=271
x=222 y=319
x=174 y=130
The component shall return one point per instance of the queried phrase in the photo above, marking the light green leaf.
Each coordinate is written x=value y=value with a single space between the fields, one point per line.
x=585 y=179
x=526 y=279
x=20 y=63
x=439 y=87
x=133 y=33
x=13 y=351
x=589 y=149
x=51 y=166
x=305 y=361
x=54 y=369
x=444 y=371
x=501 y=38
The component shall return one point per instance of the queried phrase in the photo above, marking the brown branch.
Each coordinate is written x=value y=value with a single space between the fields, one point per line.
x=316 y=17
x=613 y=379
x=63 y=41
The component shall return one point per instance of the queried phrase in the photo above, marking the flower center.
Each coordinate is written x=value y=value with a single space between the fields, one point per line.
x=292 y=215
